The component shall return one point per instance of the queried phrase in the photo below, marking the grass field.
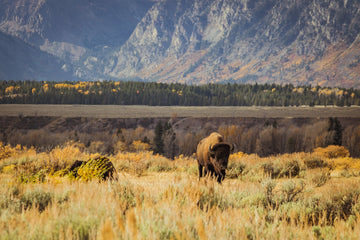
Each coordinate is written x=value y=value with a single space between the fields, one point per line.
x=292 y=196
x=121 y=111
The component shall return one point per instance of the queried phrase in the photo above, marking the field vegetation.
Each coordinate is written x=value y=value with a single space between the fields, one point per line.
x=290 y=196
x=136 y=177
x=141 y=111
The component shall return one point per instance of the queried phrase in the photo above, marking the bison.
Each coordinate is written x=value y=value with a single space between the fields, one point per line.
x=212 y=156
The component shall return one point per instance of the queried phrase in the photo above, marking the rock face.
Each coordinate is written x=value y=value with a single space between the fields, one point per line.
x=71 y=29
x=245 y=41
x=195 y=41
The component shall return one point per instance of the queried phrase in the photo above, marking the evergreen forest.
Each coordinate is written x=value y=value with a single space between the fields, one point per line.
x=174 y=94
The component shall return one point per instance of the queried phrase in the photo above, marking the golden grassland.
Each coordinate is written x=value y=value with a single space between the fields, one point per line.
x=292 y=196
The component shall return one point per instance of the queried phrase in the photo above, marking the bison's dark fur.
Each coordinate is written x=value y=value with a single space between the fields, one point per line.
x=212 y=156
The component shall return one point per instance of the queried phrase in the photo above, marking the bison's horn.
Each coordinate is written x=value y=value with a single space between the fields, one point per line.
x=211 y=150
x=232 y=147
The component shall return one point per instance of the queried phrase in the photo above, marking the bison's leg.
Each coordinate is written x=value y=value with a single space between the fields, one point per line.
x=200 y=170
x=210 y=171
x=220 y=177
x=206 y=170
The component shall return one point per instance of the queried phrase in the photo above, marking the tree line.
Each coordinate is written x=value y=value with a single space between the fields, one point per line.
x=173 y=94
x=271 y=138
x=265 y=137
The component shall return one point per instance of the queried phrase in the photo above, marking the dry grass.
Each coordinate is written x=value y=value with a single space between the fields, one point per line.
x=121 y=111
x=154 y=198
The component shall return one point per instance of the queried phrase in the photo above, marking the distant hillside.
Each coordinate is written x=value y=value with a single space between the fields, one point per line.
x=20 y=60
x=195 y=41
x=71 y=29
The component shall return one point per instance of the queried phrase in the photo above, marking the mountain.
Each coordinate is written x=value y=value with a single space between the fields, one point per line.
x=69 y=29
x=20 y=60
x=199 y=41
x=195 y=41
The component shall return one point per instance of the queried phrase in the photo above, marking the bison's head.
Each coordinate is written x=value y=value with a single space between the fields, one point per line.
x=219 y=156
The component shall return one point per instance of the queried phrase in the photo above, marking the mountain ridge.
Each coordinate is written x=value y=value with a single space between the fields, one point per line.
x=30 y=59
x=198 y=42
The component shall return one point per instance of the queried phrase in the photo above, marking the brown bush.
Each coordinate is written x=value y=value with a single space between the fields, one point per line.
x=320 y=178
x=315 y=162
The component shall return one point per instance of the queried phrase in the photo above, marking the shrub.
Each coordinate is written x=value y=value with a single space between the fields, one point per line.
x=37 y=198
x=31 y=172
x=320 y=210
x=349 y=173
x=138 y=163
x=9 y=199
x=270 y=169
x=7 y=151
x=139 y=146
x=9 y=168
x=15 y=199
x=290 y=169
x=97 y=147
x=332 y=151
x=320 y=178
x=193 y=170
x=255 y=200
x=291 y=190
x=125 y=194
x=209 y=199
x=100 y=168
x=341 y=205
x=346 y=163
x=62 y=156
x=161 y=168
x=235 y=170
x=138 y=168
x=40 y=176
x=160 y=165
x=316 y=230
x=315 y=162
x=237 y=155
x=269 y=186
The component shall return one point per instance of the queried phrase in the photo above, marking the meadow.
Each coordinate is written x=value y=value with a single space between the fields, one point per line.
x=141 y=111
x=291 y=196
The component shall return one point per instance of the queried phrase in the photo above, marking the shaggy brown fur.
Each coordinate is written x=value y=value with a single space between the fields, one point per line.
x=212 y=156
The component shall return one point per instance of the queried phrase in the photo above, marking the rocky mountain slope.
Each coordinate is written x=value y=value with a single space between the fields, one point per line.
x=69 y=29
x=195 y=41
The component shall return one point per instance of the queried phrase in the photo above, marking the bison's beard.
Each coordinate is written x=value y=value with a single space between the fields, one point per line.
x=219 y=169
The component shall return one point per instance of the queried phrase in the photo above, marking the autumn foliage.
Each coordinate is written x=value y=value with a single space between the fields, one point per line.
x=311 y=195
x=161 y=94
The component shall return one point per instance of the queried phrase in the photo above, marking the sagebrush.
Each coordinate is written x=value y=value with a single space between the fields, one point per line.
x=302 y=196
